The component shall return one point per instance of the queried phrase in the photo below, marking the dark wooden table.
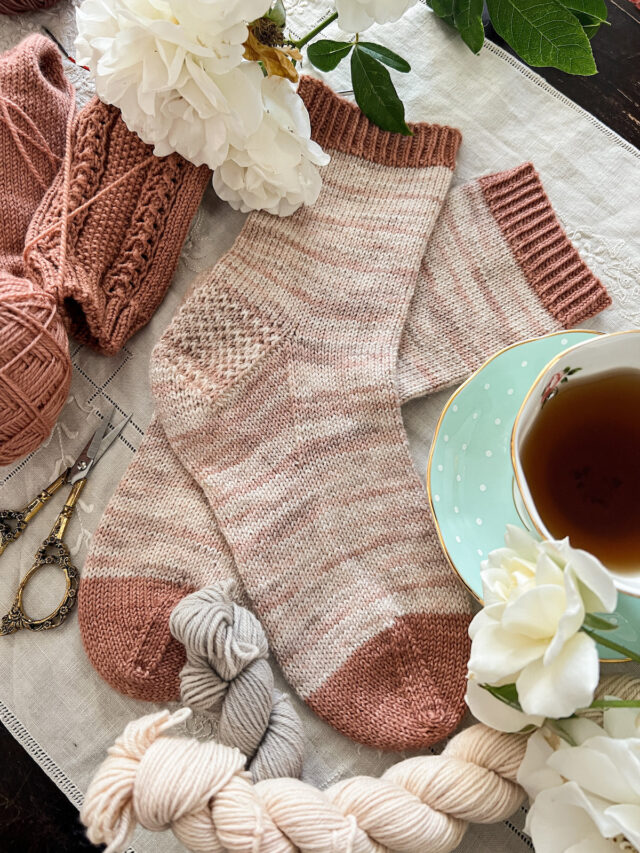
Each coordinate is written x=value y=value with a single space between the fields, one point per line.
x=35 y=817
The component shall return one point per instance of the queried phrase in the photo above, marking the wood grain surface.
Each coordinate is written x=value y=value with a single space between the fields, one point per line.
x=35 y=817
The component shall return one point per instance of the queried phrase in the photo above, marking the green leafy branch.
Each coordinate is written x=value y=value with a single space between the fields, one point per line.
x=373 y=88
x=554 y=33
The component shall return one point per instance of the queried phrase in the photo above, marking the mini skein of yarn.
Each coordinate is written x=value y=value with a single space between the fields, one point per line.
x=14 y=7
x=227 y=674
x=35 y=368
x=202 y=792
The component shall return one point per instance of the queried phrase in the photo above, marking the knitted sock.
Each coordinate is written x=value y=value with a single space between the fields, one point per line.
x=276 y=386
x=157 y=541
x=498 y=268
x=35 y=102
x=467 y=304
x=107 y=236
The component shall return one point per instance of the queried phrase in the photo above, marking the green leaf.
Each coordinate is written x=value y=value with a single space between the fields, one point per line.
x=601 y=623
x=589 y=25
x=326 y=54
x=383 y=54
x=543 y=33
x=442 y=8
x=375 y=94
x=594 y=9
x=467 y=19
x=610 y=644
x=507 y=694
x=277 y=13
x=615 y=703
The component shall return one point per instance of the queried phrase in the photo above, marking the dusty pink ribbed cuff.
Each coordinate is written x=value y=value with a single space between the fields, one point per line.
x=554 y=269
x=339 y=124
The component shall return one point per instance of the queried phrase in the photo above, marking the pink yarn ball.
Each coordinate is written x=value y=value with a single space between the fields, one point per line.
x=12 y=7
x=35 y=368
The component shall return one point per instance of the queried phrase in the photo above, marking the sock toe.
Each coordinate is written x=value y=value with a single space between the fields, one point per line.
x=124 y=624
x=404 y=689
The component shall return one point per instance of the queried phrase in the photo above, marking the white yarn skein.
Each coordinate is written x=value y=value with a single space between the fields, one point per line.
x=201 y=792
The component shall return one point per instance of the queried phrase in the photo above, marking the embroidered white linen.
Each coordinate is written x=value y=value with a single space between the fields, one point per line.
x=50 y=697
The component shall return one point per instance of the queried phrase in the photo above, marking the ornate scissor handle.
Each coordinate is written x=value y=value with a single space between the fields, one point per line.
x=53 y=551
x=13 y=522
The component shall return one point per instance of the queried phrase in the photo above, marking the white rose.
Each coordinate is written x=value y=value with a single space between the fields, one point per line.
x=175 y=70
x=275 y=169
x=355 y=16
x=537 y=595
x=585 y=796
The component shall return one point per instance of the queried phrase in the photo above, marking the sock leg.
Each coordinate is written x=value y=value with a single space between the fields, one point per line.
x=157 y=542
x=499 y=268
x=276 y=386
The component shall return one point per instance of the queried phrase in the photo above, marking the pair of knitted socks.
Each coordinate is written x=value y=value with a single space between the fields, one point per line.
x=90 y=217
x=277 y=453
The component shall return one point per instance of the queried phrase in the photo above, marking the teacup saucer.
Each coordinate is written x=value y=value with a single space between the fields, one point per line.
x=470 y=479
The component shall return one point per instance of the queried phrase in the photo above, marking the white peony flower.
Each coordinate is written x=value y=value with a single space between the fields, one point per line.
x=528 y=633
x=585 y=796
x=355 y=16
x=175 y=70
x=275 y=169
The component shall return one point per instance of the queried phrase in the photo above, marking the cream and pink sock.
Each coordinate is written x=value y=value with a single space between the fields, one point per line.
x=291 y=425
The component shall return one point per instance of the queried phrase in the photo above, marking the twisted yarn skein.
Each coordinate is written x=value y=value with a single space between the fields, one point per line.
x=227 y=674
x=202 y=792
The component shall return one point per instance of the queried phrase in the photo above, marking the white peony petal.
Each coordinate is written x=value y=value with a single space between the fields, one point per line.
x=487 y=616
x=275 y=167
x=621 y=722
x=570 y=621
x=355 y=16
x=593 y=769
x=566 y=684
x=598 y=592
x=627 y=818
x=492 y=712
x=521 y=541
x=555 y=824
x=536 y=613
x=534 y=774
x=497 y=654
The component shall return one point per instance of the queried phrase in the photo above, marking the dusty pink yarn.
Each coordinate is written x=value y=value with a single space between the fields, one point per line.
x=36 y=370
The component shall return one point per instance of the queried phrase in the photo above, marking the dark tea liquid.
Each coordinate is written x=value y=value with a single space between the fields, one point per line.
x=581 y=459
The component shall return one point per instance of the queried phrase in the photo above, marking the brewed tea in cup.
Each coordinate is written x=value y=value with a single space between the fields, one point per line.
x=576 y=452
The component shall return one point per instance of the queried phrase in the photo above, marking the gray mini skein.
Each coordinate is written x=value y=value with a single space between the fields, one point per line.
x=227 y=674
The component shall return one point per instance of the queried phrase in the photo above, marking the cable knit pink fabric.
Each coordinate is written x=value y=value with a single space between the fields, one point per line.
x=128 y=213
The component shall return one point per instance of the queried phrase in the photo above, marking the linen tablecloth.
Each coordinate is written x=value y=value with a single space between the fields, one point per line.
x=50 y=697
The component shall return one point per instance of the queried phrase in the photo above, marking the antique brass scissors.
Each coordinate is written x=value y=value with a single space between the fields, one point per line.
x=53 y=550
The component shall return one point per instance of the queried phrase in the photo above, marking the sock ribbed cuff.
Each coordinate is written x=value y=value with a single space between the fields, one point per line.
x=339 y=124
x=564 y=283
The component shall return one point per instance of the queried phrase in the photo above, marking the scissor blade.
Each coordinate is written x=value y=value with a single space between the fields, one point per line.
x=96 y=441
x=108 y=440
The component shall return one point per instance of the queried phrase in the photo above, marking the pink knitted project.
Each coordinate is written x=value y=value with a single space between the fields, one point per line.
x=126 y=216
